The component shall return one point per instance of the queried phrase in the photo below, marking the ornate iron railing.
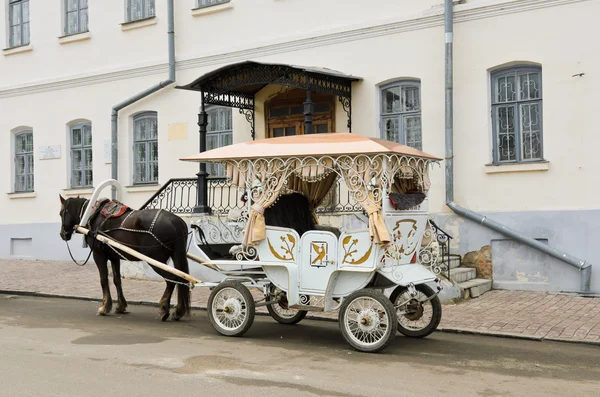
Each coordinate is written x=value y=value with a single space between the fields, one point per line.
x=179 y=196
x=435 y=252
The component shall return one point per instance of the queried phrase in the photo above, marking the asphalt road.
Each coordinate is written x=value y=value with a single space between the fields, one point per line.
x=59 y=347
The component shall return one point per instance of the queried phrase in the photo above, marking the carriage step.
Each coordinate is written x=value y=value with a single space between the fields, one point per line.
x=308 y=308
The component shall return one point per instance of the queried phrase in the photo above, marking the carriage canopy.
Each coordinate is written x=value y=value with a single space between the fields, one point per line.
x=310 y=164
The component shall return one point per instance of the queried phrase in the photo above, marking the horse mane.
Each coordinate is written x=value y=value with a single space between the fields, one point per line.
x=293 y=211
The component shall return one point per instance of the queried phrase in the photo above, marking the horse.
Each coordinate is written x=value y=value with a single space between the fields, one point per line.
x=155 y=233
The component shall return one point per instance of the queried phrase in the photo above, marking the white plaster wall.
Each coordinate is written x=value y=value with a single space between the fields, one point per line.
x=556 y=37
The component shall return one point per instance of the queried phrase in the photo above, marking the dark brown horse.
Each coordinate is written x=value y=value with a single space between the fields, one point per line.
x=155 y=233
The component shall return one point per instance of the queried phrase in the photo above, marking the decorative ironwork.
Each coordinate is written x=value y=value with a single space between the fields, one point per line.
x=249 y=114
x=178 y=196
x=347 y=106
x=216 y=231
x=435 y=253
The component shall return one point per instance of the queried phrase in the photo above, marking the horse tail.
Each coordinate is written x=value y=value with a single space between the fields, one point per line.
x=181 y=263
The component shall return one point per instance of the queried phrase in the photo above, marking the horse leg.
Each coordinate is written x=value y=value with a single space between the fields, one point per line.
x=183 y=291
x=101 y=263
x=116 y=268
x=164 y=304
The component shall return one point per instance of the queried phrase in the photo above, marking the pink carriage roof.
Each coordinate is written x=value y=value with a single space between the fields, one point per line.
x=333 y=144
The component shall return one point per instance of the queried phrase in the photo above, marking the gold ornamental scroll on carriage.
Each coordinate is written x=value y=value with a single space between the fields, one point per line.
x=371 y=168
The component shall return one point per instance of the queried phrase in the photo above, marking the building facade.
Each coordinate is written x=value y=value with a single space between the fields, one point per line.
x=525 y=75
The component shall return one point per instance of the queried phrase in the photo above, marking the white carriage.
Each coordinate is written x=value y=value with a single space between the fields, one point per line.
x=327 y=269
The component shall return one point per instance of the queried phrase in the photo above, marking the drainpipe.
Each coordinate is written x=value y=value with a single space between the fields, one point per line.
x=581 y=265
x=115 y=110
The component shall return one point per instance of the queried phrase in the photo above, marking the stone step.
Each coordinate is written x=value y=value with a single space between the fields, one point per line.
x=462 y=274
x=475 y=287
x=454 y=261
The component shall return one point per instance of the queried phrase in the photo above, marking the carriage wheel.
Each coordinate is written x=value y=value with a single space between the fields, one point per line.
x=368 y=321
x=416 y=318
x=280 y=311
x=231 y=308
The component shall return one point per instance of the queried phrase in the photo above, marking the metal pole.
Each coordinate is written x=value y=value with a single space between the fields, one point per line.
x=309 y=109
x=202 y=186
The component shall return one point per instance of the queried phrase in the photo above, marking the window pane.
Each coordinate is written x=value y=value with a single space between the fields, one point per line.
x=140 y=172
x=153 y=177
x=87 y=178
x=71 y=5
x=20 y=183
x=153 y=147
x=29 y=182
x=297 y=110
x=152 y=129
x=529 y=86
x=72 y=22
x=391 y=100
x=76 y=179
x=15 y=12
x=212 y=141
x=83 y=3
x=150 y=9
x=87 y=135
x=412 y=127
x=25 y=13
x=530 y=131
x=283 y=111
x=290 y=131
x=76 y=160
x=410 y=99
x=76 y=133
x=88 y=158
x=321 y=107
x=15 y=36
x=83 y=20
x=25 y=37
x=505 y=89
x=226 y=139
x=20 y=165
x=29 y=161
x=322 y=128
x=505 y=128
x=140 y=130
x=140 y=152
x=277 y=132
x=136 y=9
x=391 y=129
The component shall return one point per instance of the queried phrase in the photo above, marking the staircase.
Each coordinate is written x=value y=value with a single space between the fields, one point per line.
x=466 y=279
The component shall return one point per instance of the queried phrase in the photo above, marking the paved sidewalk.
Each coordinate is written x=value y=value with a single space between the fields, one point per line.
x=533 y=315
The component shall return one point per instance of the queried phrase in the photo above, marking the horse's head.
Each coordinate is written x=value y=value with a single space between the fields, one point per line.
x=70 y=215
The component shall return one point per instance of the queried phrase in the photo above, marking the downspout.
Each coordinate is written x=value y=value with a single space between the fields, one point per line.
x=115 y=110
x=581 y=265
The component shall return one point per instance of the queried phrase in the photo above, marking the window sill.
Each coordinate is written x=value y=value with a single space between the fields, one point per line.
x=17 y=50
x=140 y=23
x=72 y=38
x=517 y=167
x=74 y=192
x=142 y=188
x=198 y=12
x=21 y=195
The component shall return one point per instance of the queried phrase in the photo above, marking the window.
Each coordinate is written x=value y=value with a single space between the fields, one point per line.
x=81 y=155
x=208 y=3
x=24 y=161
x=517 y=114
x=218 y=134
x=140 y=9
x=18 y=21
x=286 y=113
x=76 y=16
x=145 y=148
x=401 y=113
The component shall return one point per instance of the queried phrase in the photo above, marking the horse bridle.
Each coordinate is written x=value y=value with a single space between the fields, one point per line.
x=83 y=208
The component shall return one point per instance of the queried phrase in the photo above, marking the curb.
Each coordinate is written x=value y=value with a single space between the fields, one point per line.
x=466 y=331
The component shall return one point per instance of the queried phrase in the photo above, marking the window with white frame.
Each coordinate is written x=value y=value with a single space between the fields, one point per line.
x=18 y=23
x=517 y=114
x=218 y=134
x=401 y=113
x=139 y=9
x=76 y=16
x=208 y=3
x=24 y=161
x=145 y=148
x=81 y=155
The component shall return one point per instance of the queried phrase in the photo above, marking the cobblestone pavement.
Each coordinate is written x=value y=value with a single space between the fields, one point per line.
x=534 y=315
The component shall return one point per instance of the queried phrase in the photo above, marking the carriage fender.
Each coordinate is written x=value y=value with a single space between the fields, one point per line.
x=406 y=274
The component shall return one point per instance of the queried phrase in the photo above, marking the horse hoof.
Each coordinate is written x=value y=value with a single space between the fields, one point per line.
x=164 y=316
x=102 y=312
x=121 y=310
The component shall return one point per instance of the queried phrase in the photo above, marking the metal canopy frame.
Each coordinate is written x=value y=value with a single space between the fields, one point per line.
x=236 y=85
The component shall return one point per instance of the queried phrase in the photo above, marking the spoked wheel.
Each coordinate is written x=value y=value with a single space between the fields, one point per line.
x=280 y=311
x=417 y=316
x=231 y=308
x=368 y=321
